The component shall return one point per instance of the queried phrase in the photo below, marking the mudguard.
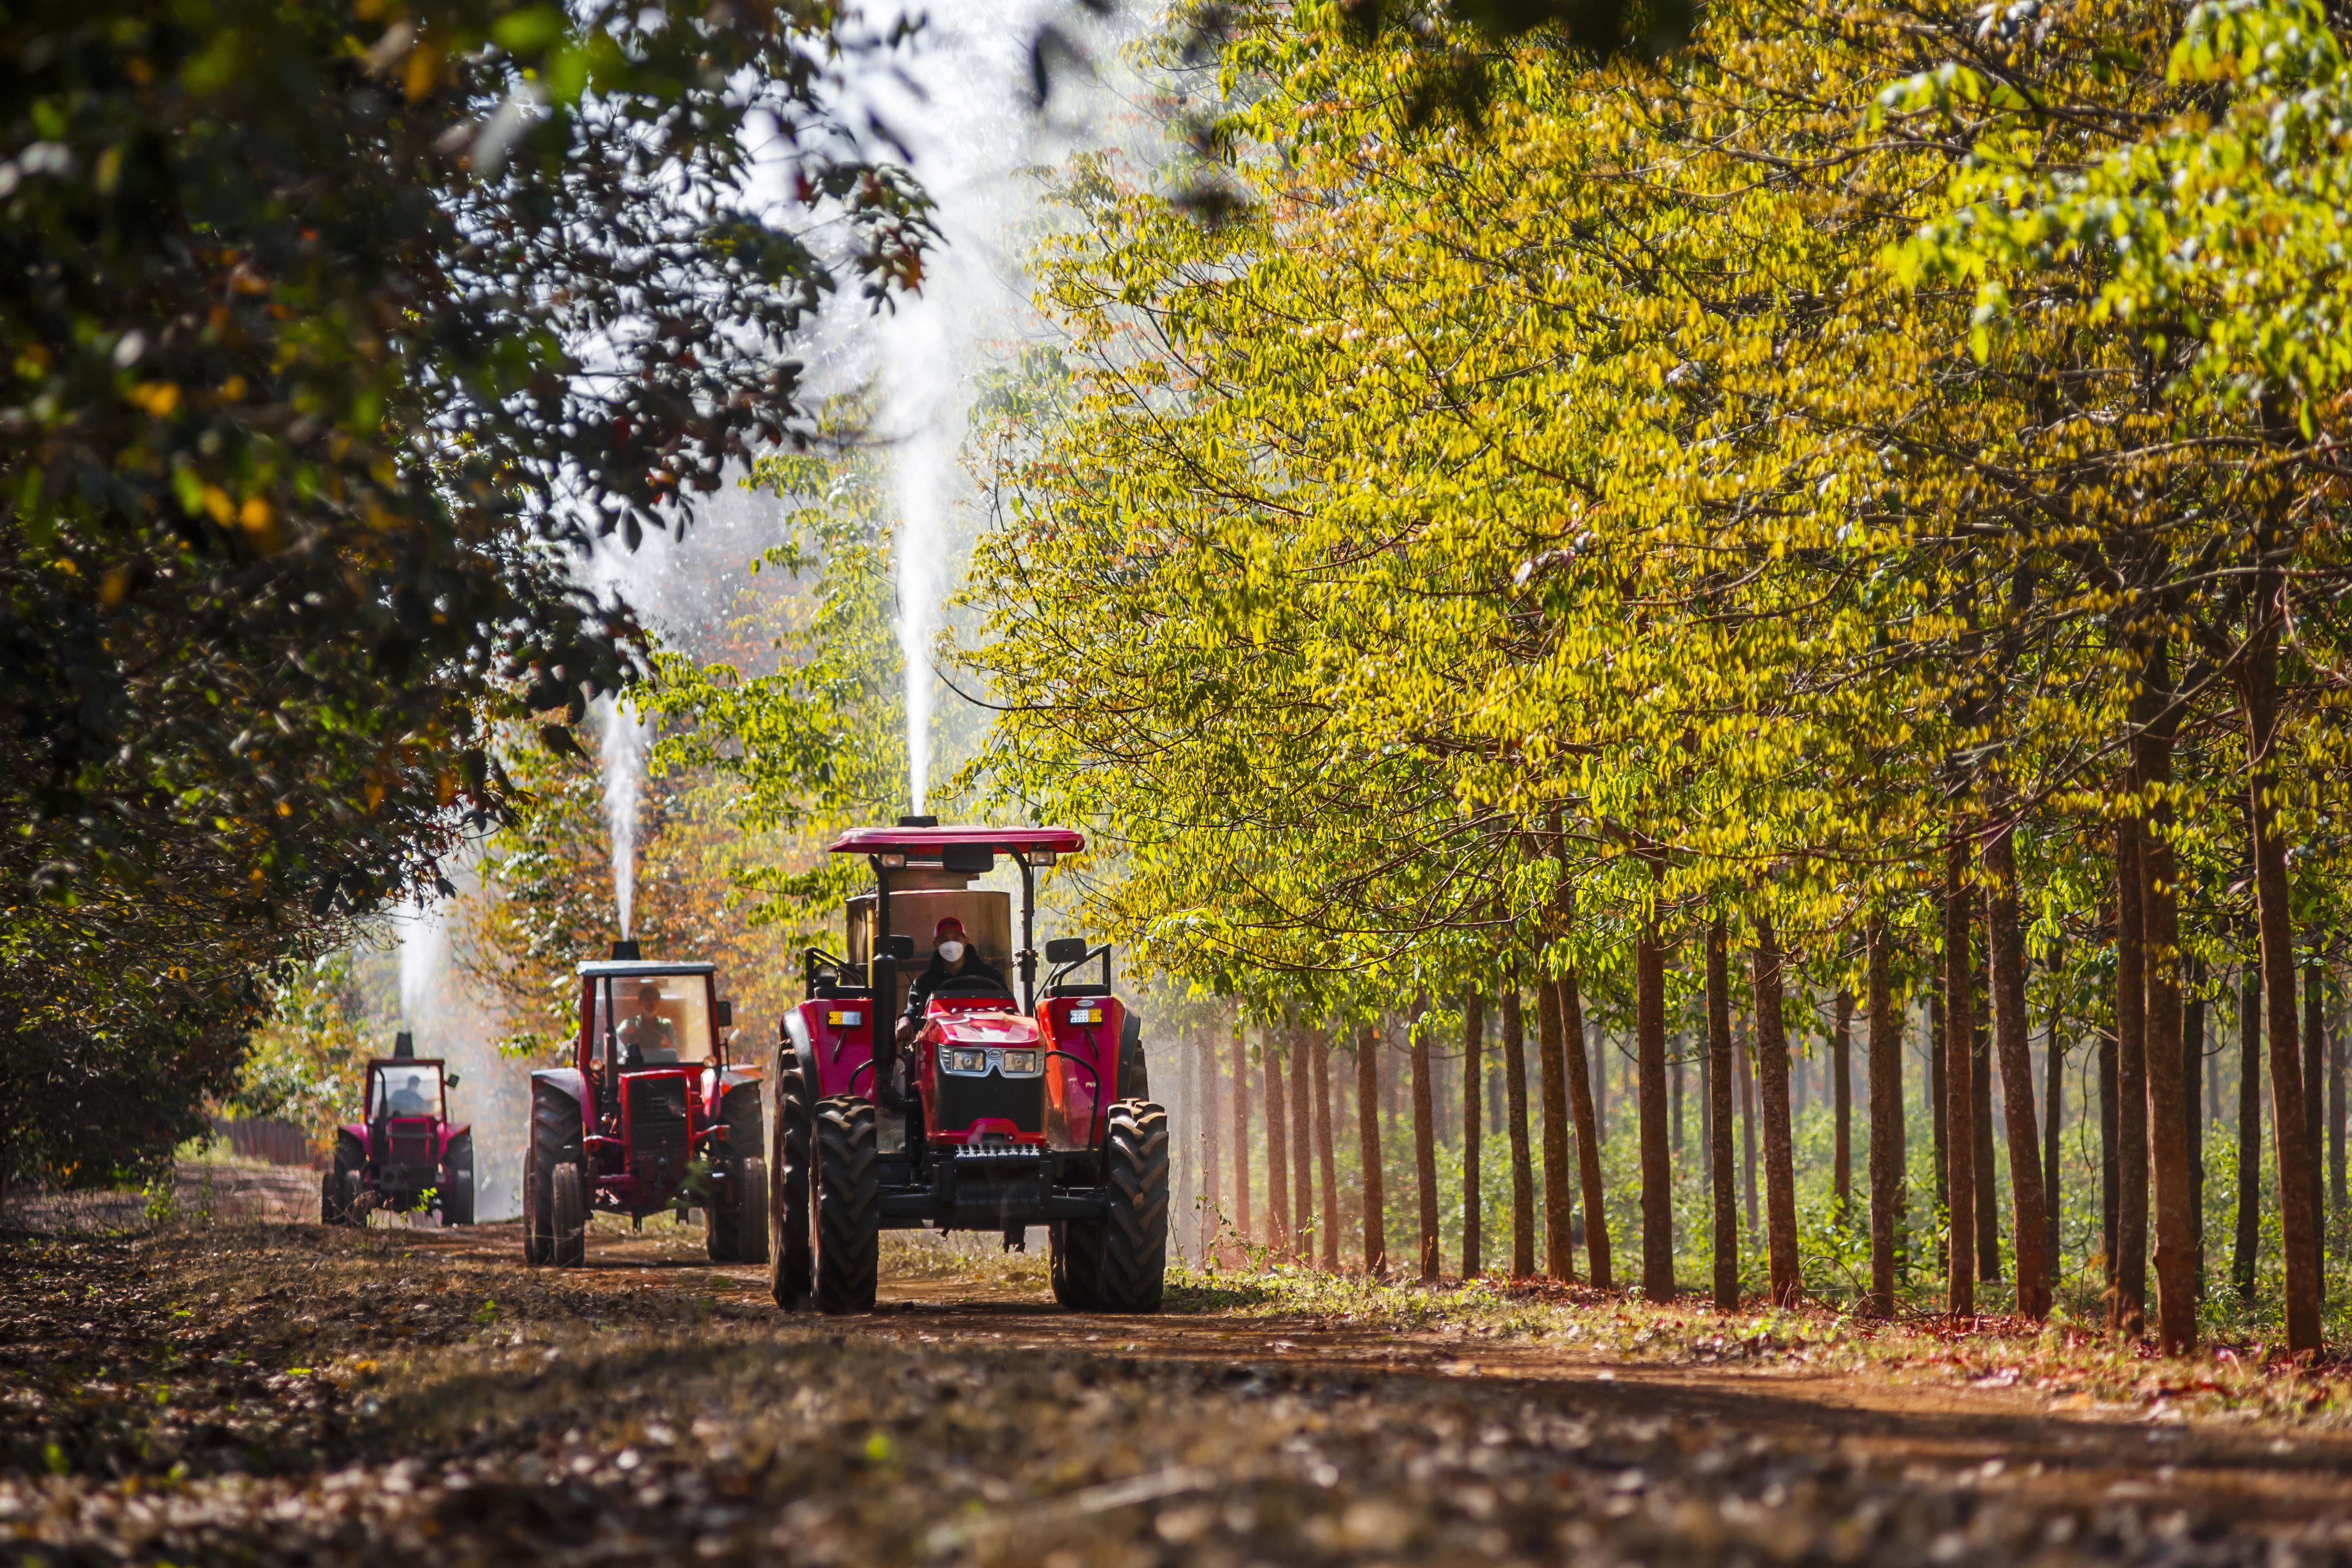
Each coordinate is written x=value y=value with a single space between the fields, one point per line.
x=558 y=1124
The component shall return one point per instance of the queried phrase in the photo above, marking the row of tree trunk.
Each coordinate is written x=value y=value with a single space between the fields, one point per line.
x=1978 y=1026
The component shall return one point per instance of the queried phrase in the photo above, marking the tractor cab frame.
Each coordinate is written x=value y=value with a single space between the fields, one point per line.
x=1009 y=1102
x=650 y=1116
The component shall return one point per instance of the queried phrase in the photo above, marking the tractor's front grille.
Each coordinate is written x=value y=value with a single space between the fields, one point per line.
x=408 y=1152
x=657 y=1129
x=964 y=1100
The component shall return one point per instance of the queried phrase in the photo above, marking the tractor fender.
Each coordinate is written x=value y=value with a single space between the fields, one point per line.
x=558 y=1121
x=357 y=1134
x=733 y=1077
x=453 y=1130
x=568 y=1081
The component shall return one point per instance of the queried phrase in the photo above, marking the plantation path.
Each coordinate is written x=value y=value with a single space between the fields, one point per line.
x=291 y=1395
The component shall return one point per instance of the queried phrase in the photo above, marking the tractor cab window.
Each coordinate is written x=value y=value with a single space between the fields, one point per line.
x=404 y=1089
x=660 y=1020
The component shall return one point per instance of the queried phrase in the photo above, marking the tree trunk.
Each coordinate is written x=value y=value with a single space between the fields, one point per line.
x=2258 y=684
x=1959 y=1101
x=2128 y=1307
x=1515 y=1093
x=1674 y=1095
x=1325 y=1154
x=1473 y=1040
x=2159 y=914
x=1368 y=1136
x=1741 y=1057
x=1588 y=1140
x=1885 y=1127
x=1205 y=1120
x=1779 y=1165
x=1841 y=1108
x=1212 y=1149
x=2054 y=1067
x=1302 y=1145
x=2193 y=1111
x=2314 y=1101
x=1278 y=1153
x=1658 y=1166
x=1718 y=1143
x=1424 y=1145
x=1980 y=1117
x=1241 y=1136
x=2336 y=1125
x=1551 y=1052
x=1939 y=1084
x=2247 y=1242
x=2005 y=956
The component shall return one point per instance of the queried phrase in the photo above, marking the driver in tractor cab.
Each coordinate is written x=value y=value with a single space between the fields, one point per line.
x=646 y=1038
x=952 y=958
x=408 y=1099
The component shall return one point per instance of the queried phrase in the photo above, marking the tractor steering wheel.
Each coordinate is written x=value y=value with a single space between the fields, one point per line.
x=971 y=985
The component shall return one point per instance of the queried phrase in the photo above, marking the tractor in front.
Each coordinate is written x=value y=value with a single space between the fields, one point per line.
x=404 y=1154
x=988 y=1101
x=649 y=1117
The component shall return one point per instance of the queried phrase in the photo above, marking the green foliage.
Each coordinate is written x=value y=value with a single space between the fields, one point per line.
x=328 y=335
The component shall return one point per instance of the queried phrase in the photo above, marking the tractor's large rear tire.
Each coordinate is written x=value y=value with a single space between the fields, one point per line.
x=538 y=1212
x=569 y=1209
x=1135 y=1232
x=457 y=1180
x=791 y=1261
x=848 y=1206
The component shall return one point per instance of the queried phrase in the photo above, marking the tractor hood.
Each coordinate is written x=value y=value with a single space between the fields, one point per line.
x=992 y=1024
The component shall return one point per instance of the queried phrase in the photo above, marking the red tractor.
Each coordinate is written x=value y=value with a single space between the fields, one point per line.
x=650 y=1118
x=994 y=1104
x=404 y=1154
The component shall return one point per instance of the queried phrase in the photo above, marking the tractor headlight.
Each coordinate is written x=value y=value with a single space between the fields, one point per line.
x=1021 y=1061
x=955 y=1059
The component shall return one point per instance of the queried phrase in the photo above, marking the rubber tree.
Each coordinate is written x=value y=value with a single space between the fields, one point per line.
x=1719 y=1153
x=1788 y=1280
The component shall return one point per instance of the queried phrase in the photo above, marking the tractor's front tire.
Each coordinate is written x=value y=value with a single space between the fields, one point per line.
x=457 y=1180
x=791 y=1261
x=569 y=1209
x=538 y=1212
x=338 y=1201
x=1134 y=1268
x=849 y=1206
x=1076 y=1247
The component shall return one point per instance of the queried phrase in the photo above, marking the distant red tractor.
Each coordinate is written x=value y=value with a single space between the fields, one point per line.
x=996 y=1105
x=404 y=1154
x=651 y=1117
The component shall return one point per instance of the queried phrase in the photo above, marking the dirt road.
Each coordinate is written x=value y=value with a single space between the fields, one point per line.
x=289 y=1395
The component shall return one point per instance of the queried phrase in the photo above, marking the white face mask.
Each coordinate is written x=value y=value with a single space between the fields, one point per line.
x=950 y=952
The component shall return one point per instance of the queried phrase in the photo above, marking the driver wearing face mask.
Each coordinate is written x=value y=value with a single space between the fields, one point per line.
x=952 y=958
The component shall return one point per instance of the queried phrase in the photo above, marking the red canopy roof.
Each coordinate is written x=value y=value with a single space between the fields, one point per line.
x=932 y=840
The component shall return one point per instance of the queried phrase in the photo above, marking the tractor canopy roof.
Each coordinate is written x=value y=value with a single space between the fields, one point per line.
x=929 y=841
x=647 y=966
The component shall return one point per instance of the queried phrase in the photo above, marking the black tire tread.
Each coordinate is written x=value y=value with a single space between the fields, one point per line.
x=1134 y=1268
x=569 y=1213
x=457 y=1180
x=848 y=1206
x=790 y=1264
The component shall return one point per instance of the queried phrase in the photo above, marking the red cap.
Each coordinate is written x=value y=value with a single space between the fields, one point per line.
x=946 y=923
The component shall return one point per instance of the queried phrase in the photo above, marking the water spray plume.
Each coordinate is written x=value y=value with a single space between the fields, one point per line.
x=623 y=754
